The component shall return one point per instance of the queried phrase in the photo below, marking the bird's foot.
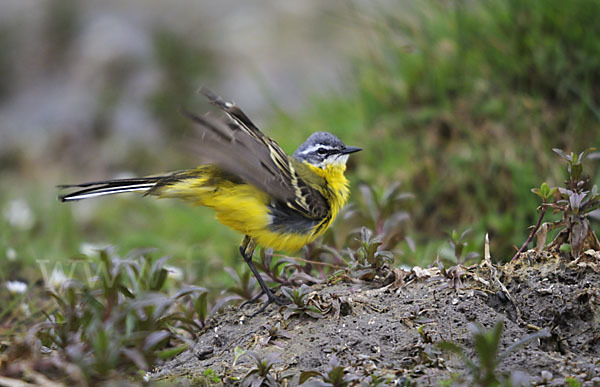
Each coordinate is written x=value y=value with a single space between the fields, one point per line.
x=271 y=298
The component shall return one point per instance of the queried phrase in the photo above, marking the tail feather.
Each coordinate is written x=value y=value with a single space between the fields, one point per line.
x=109 y=187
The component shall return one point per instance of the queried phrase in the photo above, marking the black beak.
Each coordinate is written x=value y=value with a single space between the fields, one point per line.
x=350 y=149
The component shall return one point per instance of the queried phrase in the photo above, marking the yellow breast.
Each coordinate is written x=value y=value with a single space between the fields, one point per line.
x=336 y=191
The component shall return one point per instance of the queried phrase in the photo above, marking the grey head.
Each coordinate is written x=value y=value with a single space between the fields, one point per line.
x=322 y=149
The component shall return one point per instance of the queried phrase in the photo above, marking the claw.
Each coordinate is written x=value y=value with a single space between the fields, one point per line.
x=271 y=298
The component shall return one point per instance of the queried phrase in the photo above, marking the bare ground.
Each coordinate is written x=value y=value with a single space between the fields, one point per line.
x=391 y=329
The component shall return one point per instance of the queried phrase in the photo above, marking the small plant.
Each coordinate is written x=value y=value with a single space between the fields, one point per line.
x=384 y=214
x=285 y=270
x=245 y=284
x=209 y=377
x=546 y=194
x=572 y=382
x=121 y=322
x=487 y=343
x=260 y=374
x=274 y=332
x=458 y=242
x=369 y=260
x=335 y=376
x=195 y=307
x=375 y=381
x=576 y=201
x=238 y=352
x=299 y=305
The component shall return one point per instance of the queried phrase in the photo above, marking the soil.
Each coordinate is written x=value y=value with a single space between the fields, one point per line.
x=391 y=328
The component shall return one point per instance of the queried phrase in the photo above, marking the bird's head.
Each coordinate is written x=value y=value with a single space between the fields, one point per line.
x=322 y=149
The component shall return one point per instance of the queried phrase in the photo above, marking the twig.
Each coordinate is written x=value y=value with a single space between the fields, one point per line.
x=487 y=261
x=533 y=232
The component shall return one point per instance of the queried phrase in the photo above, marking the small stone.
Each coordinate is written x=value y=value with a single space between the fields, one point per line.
x=204 y=353
x=501 y=296
x=547 y=375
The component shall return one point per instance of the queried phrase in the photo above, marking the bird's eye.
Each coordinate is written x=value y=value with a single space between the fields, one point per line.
x=321 y=151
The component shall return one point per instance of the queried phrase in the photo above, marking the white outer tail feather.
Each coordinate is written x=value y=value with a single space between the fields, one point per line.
x=109 y=191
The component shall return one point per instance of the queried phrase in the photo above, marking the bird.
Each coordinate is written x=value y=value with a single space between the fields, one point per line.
x=275 y=200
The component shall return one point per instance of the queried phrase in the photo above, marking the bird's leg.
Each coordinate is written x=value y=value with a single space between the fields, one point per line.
x=247 y=250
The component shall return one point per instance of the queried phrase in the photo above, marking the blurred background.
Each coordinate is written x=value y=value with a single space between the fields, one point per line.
x=456 y=103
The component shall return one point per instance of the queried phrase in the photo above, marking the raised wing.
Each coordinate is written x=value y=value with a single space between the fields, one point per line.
x=240 y=148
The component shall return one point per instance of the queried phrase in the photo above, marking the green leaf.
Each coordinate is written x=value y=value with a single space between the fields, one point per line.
x=160 y=280
x=544 y=189
x=288 y=293
x=125 y=291
x=211 y=375
x=576 y=171
x=365 y=235
x=130 y=323
x=289 y=311
x=158 y=274
x=450 y=347
x=154 y=339
x=188 y=290
x=172 y=352
x=237 y=353
x=201 y=306
x=336 y=375
x=593 y=207
x=370 y=199
x=454 y=236
x=565 y=248
x=101 y=342
x=545 y=192
x=584 y=154
x=314 y=312
x=464 y=234
x=304 y=376
x=136 y=357
x=572 y=381
x=561 y=153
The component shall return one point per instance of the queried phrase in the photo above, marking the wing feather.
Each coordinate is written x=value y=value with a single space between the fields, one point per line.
x=240 y=148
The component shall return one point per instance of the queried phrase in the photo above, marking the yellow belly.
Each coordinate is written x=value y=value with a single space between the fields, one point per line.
x=241 y=207
x=244 y=208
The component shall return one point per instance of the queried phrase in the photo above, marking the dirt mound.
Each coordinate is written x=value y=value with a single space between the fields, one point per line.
x=391 y=329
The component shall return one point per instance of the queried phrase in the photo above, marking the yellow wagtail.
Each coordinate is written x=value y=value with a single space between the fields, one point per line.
x=275 y=200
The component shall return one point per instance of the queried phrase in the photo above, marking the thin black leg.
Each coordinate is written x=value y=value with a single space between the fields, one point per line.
x=247 y=250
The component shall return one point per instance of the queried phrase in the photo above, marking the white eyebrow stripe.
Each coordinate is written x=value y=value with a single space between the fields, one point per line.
x=316 y=147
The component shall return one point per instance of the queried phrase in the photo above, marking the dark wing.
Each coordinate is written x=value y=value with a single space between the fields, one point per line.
x=240 y=148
